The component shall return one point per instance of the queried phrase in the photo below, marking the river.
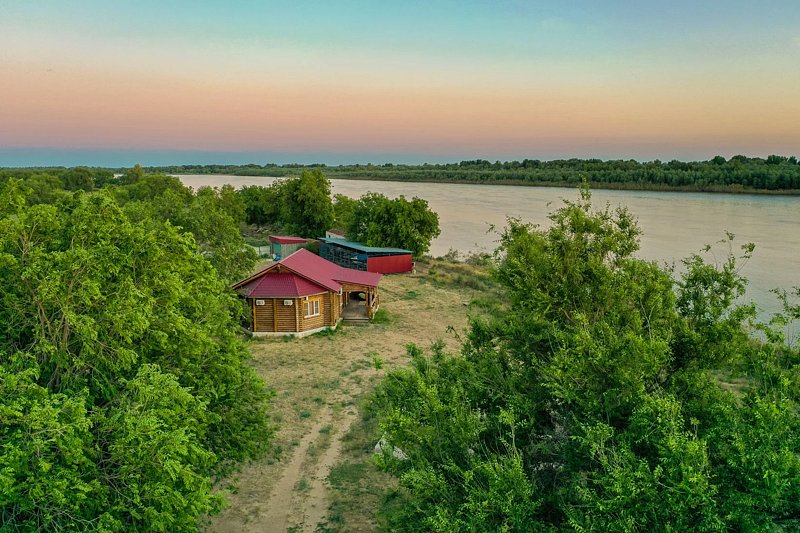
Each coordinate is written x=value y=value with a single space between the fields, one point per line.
x=674 y=224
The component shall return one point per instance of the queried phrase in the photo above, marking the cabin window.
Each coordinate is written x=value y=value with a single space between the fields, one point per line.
x=312 y=307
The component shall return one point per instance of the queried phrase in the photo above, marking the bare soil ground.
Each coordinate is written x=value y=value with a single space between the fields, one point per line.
x=320 y=476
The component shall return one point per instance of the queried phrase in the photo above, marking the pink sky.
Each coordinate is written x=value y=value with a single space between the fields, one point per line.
x=70 y=89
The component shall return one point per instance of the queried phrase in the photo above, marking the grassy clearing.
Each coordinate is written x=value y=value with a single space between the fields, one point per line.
x=472 y=273
x=471 y=276
x=319 y=381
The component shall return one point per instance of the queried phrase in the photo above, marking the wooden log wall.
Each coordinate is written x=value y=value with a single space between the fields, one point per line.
x=274 y=316
x=263 y=315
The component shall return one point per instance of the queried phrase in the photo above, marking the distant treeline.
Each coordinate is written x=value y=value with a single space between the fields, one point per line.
x=269 y=169
x=776 y=174
x=740 y=173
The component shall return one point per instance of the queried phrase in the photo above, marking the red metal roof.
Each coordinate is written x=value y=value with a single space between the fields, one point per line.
x=281 y=285
x=308 y=272
x=282 y=239
x=326 y=273
x=348 y=275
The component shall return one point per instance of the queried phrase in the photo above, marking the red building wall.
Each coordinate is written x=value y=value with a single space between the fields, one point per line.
x=390 y=264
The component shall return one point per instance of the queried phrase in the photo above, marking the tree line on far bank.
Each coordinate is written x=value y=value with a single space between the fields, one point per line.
x=737 y=174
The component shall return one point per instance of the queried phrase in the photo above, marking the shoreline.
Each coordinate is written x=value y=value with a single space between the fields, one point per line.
x=735 y=190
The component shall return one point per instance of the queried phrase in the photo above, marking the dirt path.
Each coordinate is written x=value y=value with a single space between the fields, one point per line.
x=318 y=381
x=280 y=504
x=316 y=505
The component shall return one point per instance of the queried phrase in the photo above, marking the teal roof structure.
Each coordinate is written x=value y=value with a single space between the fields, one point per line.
x=362 y=247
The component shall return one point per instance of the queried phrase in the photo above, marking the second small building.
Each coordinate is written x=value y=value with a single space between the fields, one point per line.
x=283 y=246
x=357 y=256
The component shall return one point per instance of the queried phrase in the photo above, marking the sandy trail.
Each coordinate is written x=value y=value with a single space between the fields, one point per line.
x=316 y=505
x=282 y=502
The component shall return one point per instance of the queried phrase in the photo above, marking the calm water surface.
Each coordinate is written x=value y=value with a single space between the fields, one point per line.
x=674 y=225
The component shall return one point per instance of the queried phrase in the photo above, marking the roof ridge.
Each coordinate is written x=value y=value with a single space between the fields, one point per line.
x=316 y=270
x=327 y=281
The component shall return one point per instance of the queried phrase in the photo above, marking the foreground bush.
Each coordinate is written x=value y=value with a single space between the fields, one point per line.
x=596 y=402
x=123 y=386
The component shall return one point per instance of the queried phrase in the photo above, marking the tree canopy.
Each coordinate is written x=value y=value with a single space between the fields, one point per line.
x=123 y=385
x=377 y=220
x=300 y=206
x=613 y=394
x=308 y=209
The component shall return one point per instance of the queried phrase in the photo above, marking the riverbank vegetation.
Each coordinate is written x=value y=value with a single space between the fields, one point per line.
x=775 y=174
x=299 y=206
x=303 y=206
x=610 y=395
x=125 y=388
x=376 y=220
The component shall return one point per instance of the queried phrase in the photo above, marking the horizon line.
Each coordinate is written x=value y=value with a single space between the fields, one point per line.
x=41 y=157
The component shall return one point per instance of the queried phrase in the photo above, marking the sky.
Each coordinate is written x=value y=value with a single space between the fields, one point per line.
x=240 y=81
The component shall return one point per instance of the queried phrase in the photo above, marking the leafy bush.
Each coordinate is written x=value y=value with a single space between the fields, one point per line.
x=379 y=221
x=590 y=404
x=123 y=386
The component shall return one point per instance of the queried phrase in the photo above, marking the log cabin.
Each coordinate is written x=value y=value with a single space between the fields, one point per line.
x=303 y=293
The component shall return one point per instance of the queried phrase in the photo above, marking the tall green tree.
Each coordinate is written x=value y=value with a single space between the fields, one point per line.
x=44 y=188
x=212 y=216
x=344 y=209
x=379 y=221
x=232 y=204
x=308 y=209
x=132 y=175
x=263 y=204
x=78 y=178
x=150 y=186
x=208 y=216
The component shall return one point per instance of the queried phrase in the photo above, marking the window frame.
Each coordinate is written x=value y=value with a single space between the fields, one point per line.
x=312 y=307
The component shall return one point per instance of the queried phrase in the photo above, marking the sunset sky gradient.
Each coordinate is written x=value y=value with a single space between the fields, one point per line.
x=114 y=83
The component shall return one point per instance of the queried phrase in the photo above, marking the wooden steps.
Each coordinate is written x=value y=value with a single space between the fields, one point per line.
x=356 y=321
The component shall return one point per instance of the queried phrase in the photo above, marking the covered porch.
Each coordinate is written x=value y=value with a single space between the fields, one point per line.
x=359 y=302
